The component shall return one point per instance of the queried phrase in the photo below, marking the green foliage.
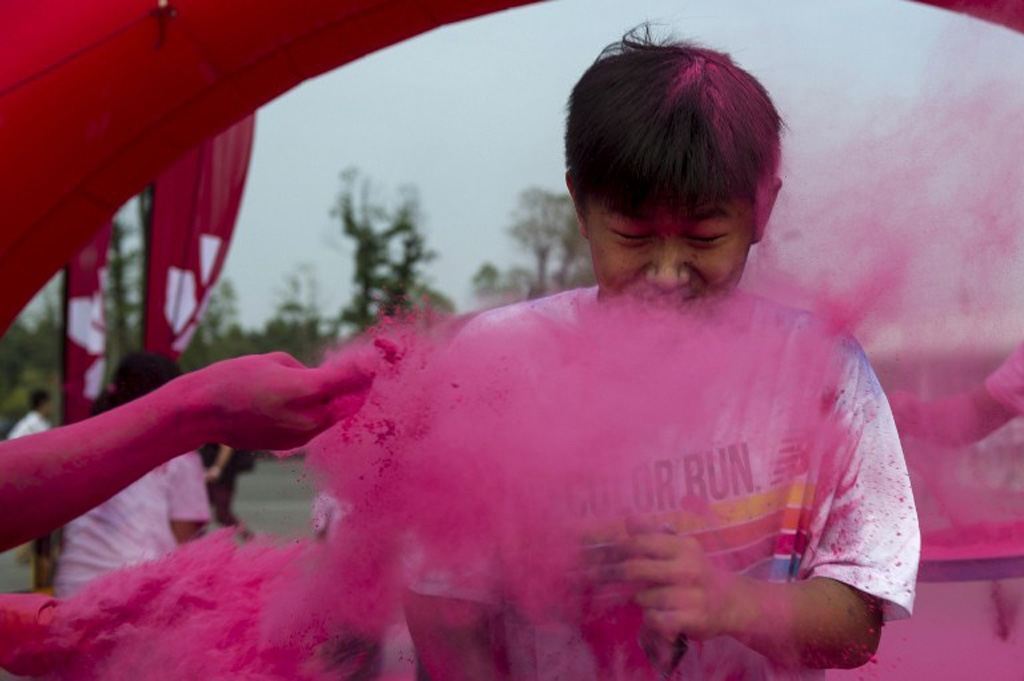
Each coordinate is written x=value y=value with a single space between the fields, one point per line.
x=30 y=353
x=390 y=251
x=124 y=288
x=544 y=228
x=297 y=326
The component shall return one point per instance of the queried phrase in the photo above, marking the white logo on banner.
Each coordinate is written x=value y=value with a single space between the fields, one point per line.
x=85 y=323
x=182 y=309
x=180 y=304
x=94 y=379
x=86 y=328
x=209 y=248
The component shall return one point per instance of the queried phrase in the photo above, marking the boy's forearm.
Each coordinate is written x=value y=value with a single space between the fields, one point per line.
x=818 y=623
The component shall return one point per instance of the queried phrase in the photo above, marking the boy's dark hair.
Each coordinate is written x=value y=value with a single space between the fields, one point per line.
x=668 y=123
x=37 y=398
x=137 y=374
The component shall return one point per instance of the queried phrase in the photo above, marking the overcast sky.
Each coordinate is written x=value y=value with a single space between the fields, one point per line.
x=473 y=113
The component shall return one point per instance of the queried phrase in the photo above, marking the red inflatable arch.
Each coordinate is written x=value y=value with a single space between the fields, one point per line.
x=97 y=98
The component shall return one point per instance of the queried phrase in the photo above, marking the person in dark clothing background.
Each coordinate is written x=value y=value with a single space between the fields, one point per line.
x=223 y=464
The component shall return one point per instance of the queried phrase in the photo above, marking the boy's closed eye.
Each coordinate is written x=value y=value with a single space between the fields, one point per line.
x=632 y=236
x=705 y=239
x=696 y=239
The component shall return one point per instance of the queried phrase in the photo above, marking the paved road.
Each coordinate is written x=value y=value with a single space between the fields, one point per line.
x=274 y=498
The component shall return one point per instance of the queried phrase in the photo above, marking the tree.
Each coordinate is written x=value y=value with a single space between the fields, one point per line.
x=124 y=286
x=298 y=326
x=390 y=252
x=544 y=227
x=30 y=354
x=488 y=281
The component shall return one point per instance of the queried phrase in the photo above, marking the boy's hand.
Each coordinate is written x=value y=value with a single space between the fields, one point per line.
x=680 y=593
x=819 y=622
x=679 y=590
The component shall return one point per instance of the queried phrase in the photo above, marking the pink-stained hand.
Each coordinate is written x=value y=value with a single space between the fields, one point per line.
x=274 y=401
x=685 y=594
x=819 y=623
x=679 y=590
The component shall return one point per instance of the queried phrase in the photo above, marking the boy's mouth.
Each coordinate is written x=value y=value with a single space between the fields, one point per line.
x=662 y=298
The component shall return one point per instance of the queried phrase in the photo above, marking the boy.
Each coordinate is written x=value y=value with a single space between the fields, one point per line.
x=672 y=158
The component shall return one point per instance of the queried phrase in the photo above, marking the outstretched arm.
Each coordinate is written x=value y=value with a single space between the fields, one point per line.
x=263 y=401
x=956 y=420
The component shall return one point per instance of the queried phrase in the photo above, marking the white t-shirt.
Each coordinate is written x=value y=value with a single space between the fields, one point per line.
x=327 y=514
x=1006 y=384
x=30 y=424
x=133 y=526
x=772 y=511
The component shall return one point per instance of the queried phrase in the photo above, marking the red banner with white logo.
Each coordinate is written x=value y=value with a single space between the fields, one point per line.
x=195 y=206
x=85 y=333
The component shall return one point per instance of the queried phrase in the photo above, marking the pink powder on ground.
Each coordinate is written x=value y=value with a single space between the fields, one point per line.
x=196 y=614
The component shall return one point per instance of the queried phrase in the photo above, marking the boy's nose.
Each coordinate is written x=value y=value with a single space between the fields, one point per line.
x=670 y=270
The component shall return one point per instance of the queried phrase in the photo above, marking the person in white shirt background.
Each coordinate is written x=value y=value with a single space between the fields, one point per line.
x=150 y=517
x=37 y=419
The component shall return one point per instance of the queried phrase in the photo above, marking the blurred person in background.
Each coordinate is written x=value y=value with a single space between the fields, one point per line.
x=37 y=419
x=223 y=464
x=150 y=517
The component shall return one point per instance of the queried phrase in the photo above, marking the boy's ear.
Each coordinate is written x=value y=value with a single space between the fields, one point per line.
x=764 y=204
x=579 y=209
